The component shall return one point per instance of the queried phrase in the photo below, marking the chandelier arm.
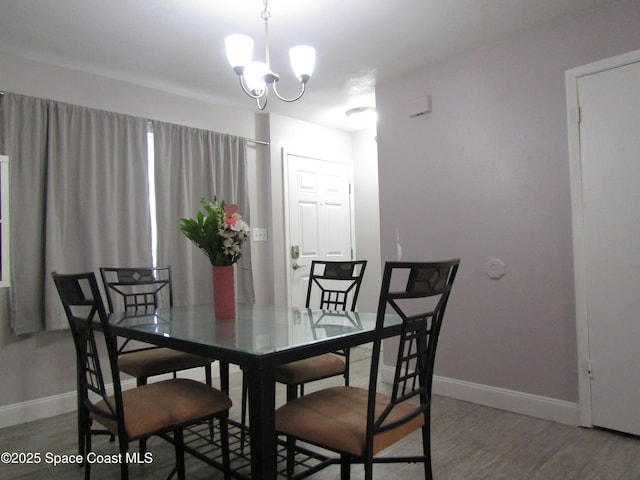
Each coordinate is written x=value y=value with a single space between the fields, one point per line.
x=275 y=90
x=266 y=99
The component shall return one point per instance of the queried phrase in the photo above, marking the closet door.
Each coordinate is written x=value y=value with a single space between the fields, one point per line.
x=610 y=164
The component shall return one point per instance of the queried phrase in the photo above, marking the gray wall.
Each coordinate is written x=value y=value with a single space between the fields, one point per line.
x=486 y=175
x=367 y=213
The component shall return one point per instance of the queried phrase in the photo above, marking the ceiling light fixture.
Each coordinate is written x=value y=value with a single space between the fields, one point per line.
x=365 y=116
x=255 y=77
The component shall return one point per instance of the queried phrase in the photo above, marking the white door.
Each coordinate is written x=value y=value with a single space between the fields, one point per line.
x=610 y=164
x=319 y=220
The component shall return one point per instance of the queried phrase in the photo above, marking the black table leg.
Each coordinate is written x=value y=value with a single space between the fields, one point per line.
x=262 y=404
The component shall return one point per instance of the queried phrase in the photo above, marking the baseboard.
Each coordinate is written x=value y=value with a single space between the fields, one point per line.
x=31 y=410
x=45 y=407
x=509 y=400
x=513 y=401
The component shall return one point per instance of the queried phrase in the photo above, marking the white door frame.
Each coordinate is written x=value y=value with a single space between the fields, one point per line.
x=285 y=188
x=579 y=261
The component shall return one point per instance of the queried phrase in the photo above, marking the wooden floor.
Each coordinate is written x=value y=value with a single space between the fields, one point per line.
x=470 y=442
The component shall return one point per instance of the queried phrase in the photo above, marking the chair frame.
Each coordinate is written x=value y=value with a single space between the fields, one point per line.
x=413 y=376
x=343 y=271
x=350 y=272
x=90 y=377
x=141 y=288
x=156 y=281
x=151 y=278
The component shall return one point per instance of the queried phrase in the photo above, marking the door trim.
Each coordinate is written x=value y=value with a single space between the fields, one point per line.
x=577 y=220
x=285 y=196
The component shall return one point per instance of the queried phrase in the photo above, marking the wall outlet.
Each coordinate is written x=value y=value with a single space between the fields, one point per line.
x=259 y=234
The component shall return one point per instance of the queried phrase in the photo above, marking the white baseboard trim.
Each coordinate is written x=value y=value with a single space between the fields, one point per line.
x=513 y=401
x=509 y=400
x=45 y=407
x=24 y=412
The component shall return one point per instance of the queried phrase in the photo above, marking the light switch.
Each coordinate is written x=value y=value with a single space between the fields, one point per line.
x=259 y=234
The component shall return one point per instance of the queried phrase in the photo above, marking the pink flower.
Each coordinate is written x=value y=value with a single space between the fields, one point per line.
x=232 y=215
x=233 y=219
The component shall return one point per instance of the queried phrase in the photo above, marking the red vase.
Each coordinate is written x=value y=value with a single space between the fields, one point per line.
x=224 y=292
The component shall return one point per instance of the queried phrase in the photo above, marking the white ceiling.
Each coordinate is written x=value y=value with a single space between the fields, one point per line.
x=177 y=45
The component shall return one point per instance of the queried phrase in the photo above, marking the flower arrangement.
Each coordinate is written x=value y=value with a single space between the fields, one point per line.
x=219 y=232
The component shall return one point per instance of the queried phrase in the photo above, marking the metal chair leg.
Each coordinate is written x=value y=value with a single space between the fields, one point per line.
x=224 y=433
x=345 y=467
x=243 y=416
x=426 y=446
x=178 y=442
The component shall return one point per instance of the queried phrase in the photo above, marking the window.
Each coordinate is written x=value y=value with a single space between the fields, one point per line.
x=4 y=221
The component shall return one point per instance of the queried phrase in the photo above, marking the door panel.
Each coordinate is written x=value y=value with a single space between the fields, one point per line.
x=337 y=217
x=309 y=233
x=610 y=163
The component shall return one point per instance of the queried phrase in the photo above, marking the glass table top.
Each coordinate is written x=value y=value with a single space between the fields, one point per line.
x=256 y=329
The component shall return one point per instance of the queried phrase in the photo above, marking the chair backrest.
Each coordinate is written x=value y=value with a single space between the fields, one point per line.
x=137 y=288
x=418 y=293
x=83 y=306
x=338 y=283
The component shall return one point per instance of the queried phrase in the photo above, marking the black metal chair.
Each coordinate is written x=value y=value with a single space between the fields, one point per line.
x=332 y=286
x=154 y=409
x=335 y=286
x=138 y=289
x=135 y=289
x=359 y=423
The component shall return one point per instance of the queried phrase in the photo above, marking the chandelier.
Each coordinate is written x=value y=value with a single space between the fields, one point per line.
x=256 y=77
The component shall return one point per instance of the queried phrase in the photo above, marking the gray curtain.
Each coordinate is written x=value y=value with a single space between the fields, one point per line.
x=191 y=164
x=79 y=199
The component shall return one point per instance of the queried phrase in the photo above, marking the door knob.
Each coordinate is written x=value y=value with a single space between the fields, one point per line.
x=295 y=266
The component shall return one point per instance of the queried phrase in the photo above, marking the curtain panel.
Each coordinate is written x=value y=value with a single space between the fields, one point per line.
x=79 y=199
x=191 y=164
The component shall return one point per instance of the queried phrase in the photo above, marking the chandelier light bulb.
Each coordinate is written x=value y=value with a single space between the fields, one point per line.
x=254 y=73
x=303 y=60
x=239 y=50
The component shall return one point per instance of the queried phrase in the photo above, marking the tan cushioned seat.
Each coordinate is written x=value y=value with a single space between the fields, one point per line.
x=165 y=405
x=336 y=418
x=156 y=361
x=314 y=368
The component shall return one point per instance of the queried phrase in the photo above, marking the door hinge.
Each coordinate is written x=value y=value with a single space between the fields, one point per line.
x=349 y=189
x=576 y=113
x=590 y=368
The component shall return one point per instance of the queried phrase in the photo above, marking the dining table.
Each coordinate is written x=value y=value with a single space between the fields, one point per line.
x=258 y=339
